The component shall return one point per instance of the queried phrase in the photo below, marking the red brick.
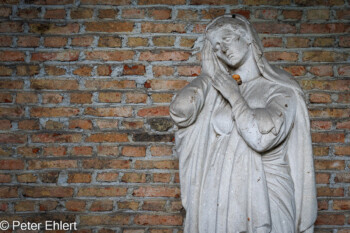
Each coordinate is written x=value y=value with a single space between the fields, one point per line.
x=101 y=192
x=106 y=163
x=163 y=71
x=320 y=2
x=324 y=56
x=161 y=177
x=148 y=191
x=13 y=138
x=199 y=28
x=162 y=28
x=27 y=70
x=8 y=192
x=107 y=176
x=47 y=205
x=153 y=205
x=134 y=70
x=58 y=164
x=54 y=125
x=332 y=192
x=189 y=70
x=83 y=41
x=47 y=191
x=54 y=112
x=322 y=70
x=157 y=84
x=11 y=56
x=11 y=112
x=107 y=124
x=337 y=85
x=11 y=26
x=55 y=151
x=212 y=13
x=162 y=164
x=159 y=14
x=344 y=41
x=326 y=28
x=5 y=97
x=328 y=137
x=137 y=41
x=110 y=97
x=341 y=204
x=107 y=2
x=322 y=178
x=83 y=71
x=80 y=124
x=344 y=70
x=56 y=137
x=51 y=28
x=28 y=41
x=329 y=165
x=320 y=98
x=136 y=98
x=132 y=124
x=271 y=42
x=342 y=150
x=56 y=56
x=281 y=56
x=133 y=14
x=132 y=151
x=245 y=13
x=27 y=178
x=275 y=28
x=26 y=98
x=343 y=125
x=108 y=150
x=109 y=85
x=81 y=13
x=5 y=125
x=297 y=42
x=5 y=178
x=24 y=206
x=102 y=205
x=104 y=70
x=109 y=112
x=266 y=14
x=163 y=2
x=28 y=151
x=11 y=84
x=75 y=205
x=79 y=178
x=53 y=84
x=110 y=55
x=342 y=178
x=330 y=112
x=162 y=97
x=154 y=111
x=51 y=98
x=330 y=219
x=167 y=220
x=5 y=41
x=110 y=41
x=107 y=137
x=128 y=205
x=292 y=14
x=107 y=13
x=82 y=150
x=296 y=70
x=55 y=14
x=161 y=151
x=81 y=98
x=54 y=70
x=134 y=178
x=109 y=26
x=28 y=125
x=106 y=219
x=321 y=125
x=11 y=164
x=324 y=42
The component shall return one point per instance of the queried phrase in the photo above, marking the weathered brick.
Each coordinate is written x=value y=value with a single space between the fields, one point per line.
x=110 y=41
x=134 y=151
x=160 y=13
x=107 y=13
x=281 y=56
x=162 y=97
x=266 y=14
x=26 y=98
x=11 y=56
x=8 y=192
x=80 y=124
x=107 y=124
x=320 y=98
x=212 y=13
x=323 y=28
x=107 y=137
x=110 y=55
x=101 y=192
x=102 y=205
x=79 y=178
x=5 y=98
x=342 y=150
x=110 y=219
x=40 y=84
x=153 y=205
x=28 y=41
x=13 y=138
x=24 y=206
x=55 y=56
x=58 y=164
x=28 y=125
x=134 y=178
x=109 y=26
x=297 y=42
x=333 y=192
x=75 y=205
x=55 y=14
x=55 y=151
x=330 y=219
x=51 y=28
x=109 y=112
x=154 y=111
x=275 y=28
x=82 y=150
x=329 y=165
x=137 y=41
x=11 y=84
x=107 y=176
x=83 y=41
x=8 y=26
x=54 y=112
x=157 y=84
x=167 y=220
x=11 y=164
x=56 y=137
x=47 y=191
x=81 y=13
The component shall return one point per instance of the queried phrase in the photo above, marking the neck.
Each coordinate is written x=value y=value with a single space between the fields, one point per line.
x=248 y=70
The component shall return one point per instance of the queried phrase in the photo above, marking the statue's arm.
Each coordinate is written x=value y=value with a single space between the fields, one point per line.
x=265 y=128
x=187 y=104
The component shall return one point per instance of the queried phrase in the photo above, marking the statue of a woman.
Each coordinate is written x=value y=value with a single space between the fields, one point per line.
x=245 y=150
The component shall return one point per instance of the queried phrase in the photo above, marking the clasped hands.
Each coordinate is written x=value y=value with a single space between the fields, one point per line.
x=227 y=86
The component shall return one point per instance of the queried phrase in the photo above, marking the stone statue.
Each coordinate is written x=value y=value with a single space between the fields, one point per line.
x=245 y=150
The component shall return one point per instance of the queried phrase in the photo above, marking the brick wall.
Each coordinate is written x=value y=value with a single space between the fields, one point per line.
x=85 y=91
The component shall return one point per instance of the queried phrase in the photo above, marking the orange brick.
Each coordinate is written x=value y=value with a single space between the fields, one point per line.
x=56 y=137
x=329 y=165
x=55 y=56
x=161 y=151
x=51 y=98
x=148 y=191
x=109 y=26
x=110 y=97
x=81 y=98
x=80 y=124
x=83 y=41
x=101 y=191
x=134 y=178
x=134 y=151
x=53 y=84
x=330 y=219
x=110 y=41
x=156 y=84
x=134 y=70
x=53 y=112
x=161 y=177
x=110 y=55
x=320 y=98
x=27 y=178
x=107 y=137
x=107 y=176
x=159 y=13
x=322 y=178
x=79 y=178
x=47 y=191
x=136 y=98
x=82 y=150
x=328 y=137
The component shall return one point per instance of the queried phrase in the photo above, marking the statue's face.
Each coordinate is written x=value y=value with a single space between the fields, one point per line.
x=229 y=46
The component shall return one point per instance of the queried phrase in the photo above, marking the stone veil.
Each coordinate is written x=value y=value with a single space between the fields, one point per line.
x=245 y=165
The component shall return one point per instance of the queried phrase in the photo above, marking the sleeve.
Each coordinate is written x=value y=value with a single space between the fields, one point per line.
x=188 y=102
x=265 y=128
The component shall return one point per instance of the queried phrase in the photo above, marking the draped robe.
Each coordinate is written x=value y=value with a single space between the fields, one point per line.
x=241 y=174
